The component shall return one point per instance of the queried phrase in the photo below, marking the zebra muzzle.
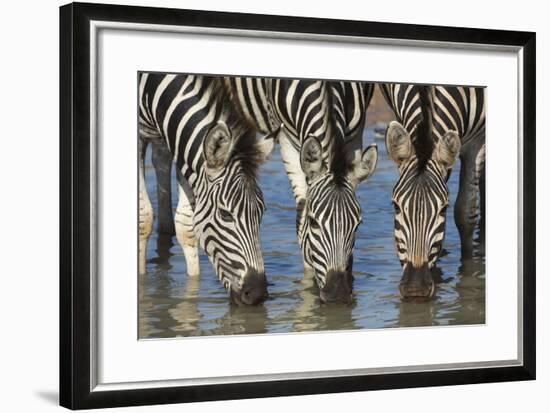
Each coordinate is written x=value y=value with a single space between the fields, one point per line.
x=253 y=290
x=416 y=283
x=338 y=288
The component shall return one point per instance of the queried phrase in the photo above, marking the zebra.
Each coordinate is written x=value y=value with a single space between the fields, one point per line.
x=435 y=125
x=321 y=126
x=217 y=155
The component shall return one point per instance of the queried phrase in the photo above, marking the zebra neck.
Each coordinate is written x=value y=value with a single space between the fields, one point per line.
x=194 y=177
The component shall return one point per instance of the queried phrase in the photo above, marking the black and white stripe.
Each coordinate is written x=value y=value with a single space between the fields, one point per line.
x=217 y=155
x=434 y=126
x=457 y=108
x=323 y=173
x=350 y=102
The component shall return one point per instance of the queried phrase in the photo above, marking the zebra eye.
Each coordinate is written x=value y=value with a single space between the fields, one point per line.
x=225 y=215
x=313 y=223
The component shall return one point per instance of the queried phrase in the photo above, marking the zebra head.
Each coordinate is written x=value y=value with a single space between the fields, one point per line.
x=420 y=198
x=229 y=208
x=332 y=215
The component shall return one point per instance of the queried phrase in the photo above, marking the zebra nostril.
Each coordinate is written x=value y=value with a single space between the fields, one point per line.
x=254 y=288
x=432 y=290
x=253 y=296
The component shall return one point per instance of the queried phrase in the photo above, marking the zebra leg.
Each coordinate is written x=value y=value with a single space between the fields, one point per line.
x=482 y=212
x=185 y=233
x=297 y=178
x=466 y=211
x=145 y=208
x=162 y=162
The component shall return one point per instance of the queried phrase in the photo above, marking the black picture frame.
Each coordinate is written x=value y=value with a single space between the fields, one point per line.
x=75 y=305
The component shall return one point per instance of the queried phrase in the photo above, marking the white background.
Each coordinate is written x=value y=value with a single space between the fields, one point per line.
x=29 y=300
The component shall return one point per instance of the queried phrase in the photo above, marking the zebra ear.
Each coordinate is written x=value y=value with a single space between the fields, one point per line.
x=217 y=147
x=364 y=167
x=398 y=143
x=447 y=149
x=311 y=158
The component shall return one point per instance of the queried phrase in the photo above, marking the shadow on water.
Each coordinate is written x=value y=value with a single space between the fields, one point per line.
x=171 y=304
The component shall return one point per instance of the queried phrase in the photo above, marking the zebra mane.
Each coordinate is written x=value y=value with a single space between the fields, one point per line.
x=424 y=143
x=246 y=150
x=340 y=164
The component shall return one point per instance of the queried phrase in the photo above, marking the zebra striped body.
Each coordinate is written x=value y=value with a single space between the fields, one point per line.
x=217 y=156
x=321 y=147
x=457 y=108
x=435 y=125
x=304 y=108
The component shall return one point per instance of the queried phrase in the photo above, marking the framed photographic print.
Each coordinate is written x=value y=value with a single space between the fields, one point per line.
x=258 y=206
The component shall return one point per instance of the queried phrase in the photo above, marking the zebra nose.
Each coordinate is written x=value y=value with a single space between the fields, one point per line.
x=338 y=287
x=254 y=288
x=417 y=283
